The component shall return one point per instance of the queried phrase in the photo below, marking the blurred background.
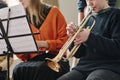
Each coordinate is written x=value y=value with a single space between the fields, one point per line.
x=67 y=7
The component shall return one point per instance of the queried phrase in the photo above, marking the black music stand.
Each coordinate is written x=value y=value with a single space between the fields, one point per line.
x=11 y=40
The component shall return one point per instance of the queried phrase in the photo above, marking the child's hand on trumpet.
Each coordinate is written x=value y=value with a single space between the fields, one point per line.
x=81 y=37
x=71 y=29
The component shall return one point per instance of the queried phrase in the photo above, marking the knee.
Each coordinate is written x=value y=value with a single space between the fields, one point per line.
x=58 y=79
x=62 y=78
x=96 y=75
x=94 y=78
x=16 y=69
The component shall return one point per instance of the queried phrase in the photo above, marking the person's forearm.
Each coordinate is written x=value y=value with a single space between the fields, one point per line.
x=42 y=44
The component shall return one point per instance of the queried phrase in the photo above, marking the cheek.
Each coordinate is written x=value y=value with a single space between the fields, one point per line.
x=99 y=7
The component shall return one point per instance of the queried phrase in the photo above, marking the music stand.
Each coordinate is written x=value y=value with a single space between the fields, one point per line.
x=16 y=35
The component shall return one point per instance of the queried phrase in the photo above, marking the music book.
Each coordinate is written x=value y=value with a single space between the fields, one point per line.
x=17 y=28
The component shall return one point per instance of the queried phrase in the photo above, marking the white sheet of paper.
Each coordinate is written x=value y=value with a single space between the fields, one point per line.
x=23 y=44
x=17 y=26
x=17 y=10
x=3 y=46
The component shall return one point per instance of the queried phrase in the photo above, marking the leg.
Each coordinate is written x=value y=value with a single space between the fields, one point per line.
x=103 y=75
x=72 y=75
x=38 y=70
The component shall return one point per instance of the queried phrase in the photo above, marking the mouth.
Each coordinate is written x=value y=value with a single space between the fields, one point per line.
x=94 y=9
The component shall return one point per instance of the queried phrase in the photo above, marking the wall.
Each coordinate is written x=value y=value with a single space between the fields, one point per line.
x=52 y=2
x=69 y=9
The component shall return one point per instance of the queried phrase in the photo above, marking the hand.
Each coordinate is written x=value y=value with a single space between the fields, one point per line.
x=71 y=29
x=82 y=36
x=42 y=44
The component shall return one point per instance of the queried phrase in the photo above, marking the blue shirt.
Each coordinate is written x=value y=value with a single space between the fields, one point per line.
x=82 y=4
x=3 y=4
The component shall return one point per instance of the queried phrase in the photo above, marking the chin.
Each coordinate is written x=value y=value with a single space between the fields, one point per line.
x=95 y=11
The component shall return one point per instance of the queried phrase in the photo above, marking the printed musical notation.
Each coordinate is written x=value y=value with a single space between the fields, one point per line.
x=19 y=33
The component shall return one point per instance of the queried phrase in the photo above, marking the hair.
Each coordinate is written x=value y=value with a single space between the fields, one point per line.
x=36 y=9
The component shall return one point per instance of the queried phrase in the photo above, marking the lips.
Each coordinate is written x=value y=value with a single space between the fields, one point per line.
x=94 y=8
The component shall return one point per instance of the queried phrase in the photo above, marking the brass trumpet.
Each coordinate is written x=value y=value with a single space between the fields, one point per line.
x=53 y=63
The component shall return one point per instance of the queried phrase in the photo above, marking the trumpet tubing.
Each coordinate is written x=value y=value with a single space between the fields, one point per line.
x=53 y=63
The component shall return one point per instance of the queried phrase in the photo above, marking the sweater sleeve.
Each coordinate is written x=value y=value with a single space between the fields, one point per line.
x=61 y=35
x=23 y=57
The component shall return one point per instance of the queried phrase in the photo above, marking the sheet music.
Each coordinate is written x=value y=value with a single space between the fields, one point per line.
x=2 y=46
x=22 y=44
x=17 y=26
x=17 y=10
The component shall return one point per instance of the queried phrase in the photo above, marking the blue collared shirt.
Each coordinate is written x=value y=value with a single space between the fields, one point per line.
x=82 y=4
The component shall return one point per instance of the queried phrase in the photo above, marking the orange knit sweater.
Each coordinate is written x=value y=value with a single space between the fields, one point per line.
x=53 y=30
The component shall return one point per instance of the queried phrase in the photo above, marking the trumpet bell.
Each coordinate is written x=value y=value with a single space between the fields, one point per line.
x=53 y=65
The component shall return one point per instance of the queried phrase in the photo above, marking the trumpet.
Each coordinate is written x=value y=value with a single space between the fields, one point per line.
x=54 y=63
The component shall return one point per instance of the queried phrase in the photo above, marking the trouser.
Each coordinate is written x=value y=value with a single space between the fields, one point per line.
x=100 y=74
x=3 y=75
x=37 y=69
